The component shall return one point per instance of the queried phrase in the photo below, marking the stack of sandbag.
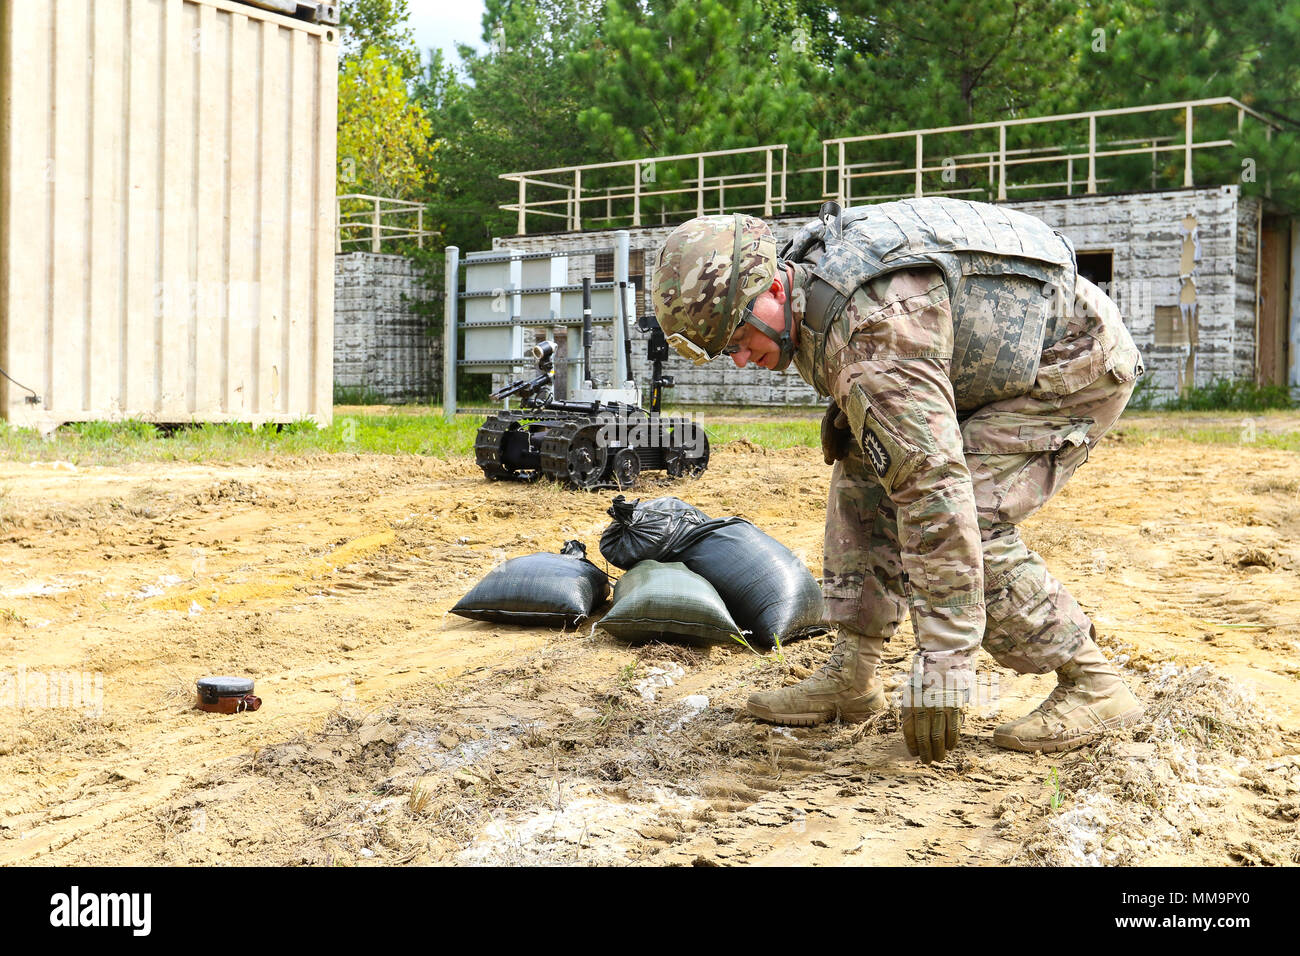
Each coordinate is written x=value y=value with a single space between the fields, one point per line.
x=767 y=590
x=552 y=589
x=655 y=602
x=646 y=531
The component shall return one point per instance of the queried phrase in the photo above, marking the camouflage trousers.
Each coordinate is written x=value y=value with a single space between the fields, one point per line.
x=1020 y=452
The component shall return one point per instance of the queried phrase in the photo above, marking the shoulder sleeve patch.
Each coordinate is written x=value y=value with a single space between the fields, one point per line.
x=891 y=455
x=876 y=451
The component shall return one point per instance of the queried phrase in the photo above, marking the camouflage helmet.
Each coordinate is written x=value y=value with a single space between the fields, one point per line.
x=709 y=270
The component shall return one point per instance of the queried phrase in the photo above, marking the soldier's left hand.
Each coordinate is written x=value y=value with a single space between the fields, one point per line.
x=931 y=733
x=837 y=436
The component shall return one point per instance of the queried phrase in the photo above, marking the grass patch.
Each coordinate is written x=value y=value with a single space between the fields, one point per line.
x=113 y=443
x=769 y=434
x=1284 y=441
x=356 y=395
x=1234 y=396
x=406 y=431
x=1279 y=430
x=421 y=430
x=1220 y=395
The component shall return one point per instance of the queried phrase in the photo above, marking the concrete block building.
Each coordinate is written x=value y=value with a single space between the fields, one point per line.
x=1235 y=321
x=1205 y=273
x=383 y=347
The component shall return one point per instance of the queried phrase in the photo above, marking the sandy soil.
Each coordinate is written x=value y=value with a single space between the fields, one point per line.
x=392 y=732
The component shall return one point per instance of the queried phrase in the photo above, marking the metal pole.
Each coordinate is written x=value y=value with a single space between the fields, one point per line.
x=523 y=204
x=374 y=229
x=1187 y=149
x=1002 y=162
x=451 y=278
x=636 y=193
x=622 y=243
x=1268 y=177
x=586 y=332
x=621 y=318
x=1092 y=154
x=919 y=157
x=699 y=188
x=843 y=178
x=419 y=225
x=767 y=184
x=577 y=200
x=784 y=157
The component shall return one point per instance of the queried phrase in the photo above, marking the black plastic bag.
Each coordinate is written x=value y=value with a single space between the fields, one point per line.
x=538 y=589
x=647 y=531
x=656 y=601
x=768 y=590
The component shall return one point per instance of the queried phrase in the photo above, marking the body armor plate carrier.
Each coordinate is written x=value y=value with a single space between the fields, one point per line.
x=1010 y=280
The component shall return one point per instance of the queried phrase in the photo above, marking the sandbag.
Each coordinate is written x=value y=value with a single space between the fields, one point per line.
x=767 y=589
x=559 y=588
x=668 y=602
x=647 y=530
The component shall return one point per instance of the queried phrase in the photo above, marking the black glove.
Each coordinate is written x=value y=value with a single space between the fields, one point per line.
x=837 y=437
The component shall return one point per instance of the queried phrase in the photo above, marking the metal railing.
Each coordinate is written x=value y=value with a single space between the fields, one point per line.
x=997 y=162
x=898 y=165
x=647 y=179
x=369 y=221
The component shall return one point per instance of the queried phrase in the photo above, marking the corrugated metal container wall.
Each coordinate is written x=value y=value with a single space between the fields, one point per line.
x=166 y=212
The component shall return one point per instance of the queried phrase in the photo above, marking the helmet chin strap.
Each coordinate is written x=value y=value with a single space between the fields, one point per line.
x=782 y=338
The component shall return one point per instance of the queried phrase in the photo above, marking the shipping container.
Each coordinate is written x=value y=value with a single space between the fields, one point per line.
x=167 y=174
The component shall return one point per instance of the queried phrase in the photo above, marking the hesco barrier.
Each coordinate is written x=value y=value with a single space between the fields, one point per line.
x=167 y=174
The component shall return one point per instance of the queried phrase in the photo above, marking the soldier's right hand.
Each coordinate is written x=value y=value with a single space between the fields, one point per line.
x=932 y=714
x=837 y=436
x=931 y=733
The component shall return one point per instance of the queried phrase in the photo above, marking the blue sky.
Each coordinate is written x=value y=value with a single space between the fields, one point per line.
x=444 y=23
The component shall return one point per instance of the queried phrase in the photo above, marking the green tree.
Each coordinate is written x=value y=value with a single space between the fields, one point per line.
x=384 y=136
x=937 y=63
x=512 y=108
x=567 y=82
x=379 y=25
x=668 y=77
x=678 y=76
x=1145 y=52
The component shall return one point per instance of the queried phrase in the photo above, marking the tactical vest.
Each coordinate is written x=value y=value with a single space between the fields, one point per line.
x=1010 y=280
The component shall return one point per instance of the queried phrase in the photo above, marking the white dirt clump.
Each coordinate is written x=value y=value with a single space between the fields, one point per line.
x=1158 y=787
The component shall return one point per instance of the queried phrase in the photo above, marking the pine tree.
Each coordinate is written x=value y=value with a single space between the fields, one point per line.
x=513 y=109
x=1172 y=50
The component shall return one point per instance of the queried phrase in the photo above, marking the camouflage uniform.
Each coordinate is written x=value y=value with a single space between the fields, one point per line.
x=960 y=434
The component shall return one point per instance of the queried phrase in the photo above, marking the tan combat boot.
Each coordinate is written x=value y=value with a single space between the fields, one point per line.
x=1090 y=697
x=846 y=686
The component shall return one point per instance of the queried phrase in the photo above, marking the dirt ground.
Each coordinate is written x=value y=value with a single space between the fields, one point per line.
x=392 y=732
